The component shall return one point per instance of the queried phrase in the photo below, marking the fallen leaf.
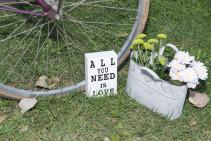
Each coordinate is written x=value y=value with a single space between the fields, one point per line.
x=3 y=117
x=26 y=104
x=51 y=86
x=41 y=82
x=54 y=80
x=199 y=100
x=123 y=34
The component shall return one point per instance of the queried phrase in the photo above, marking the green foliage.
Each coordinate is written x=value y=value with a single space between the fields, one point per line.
x=146 y=52
x=163 y=60
x=77 y=118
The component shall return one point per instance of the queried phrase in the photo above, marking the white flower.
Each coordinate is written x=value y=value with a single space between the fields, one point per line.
x=192 y=85
x=200 y=70
x=176 y=66
x=175 y=75
x=189 y=75
x=183 y=57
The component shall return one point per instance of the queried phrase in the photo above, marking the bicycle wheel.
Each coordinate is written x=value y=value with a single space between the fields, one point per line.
x=32 y=47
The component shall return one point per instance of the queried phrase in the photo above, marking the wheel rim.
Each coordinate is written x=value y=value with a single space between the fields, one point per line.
x=80 y=85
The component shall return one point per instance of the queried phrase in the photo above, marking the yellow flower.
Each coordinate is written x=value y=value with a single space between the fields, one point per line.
x=148 y=46
x=152 y=41
x=133 y=47
x=138 y=42
x=162 y=36
x=141 y=36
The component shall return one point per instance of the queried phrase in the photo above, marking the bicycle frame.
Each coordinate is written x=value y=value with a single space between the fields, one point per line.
x=47 y=9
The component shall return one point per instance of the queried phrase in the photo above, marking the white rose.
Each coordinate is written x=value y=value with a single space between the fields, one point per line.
x=200 y=70
x=183 y=57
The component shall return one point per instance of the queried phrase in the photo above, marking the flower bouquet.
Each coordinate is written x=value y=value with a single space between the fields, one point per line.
x=159 y=77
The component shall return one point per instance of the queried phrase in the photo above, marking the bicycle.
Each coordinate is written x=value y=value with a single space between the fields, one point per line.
x=50 y=37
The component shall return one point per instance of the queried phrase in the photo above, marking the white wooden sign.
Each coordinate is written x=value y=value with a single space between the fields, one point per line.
x=101 y=73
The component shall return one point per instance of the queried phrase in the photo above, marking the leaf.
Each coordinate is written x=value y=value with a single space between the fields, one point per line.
x=123 y=34
x=26 y=104
x=54 y=80
x=41 y=82
x=199 y=100
x=3 y=117
x=162 y=60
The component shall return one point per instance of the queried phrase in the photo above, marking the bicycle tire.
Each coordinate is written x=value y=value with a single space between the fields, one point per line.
x=138 y=27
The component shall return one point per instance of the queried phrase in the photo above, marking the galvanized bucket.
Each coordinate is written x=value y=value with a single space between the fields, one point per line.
x=146 y=87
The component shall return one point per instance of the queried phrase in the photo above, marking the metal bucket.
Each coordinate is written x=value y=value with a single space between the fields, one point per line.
x=146 y=87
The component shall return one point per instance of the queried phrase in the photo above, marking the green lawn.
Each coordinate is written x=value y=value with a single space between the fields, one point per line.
x=76 y=117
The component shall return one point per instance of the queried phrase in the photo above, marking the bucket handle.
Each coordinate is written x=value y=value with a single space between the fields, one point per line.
x=152 y=73
x=168 y=45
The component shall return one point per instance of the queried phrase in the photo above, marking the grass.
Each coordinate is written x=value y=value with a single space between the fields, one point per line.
x=76 y=117
x=27 y=56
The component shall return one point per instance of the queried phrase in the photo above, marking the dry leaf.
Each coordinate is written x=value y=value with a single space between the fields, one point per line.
x=199 y=100
x=41 y=82
x=51 y=86
x=26 y=104
x=54 y=80
x=3 y=117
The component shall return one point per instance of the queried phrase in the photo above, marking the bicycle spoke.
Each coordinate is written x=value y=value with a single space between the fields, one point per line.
x=21 y=57
x=39 y=48
x=77 y=5
x=34 y=46
x=9 y=24
x=89 y=2
x=8 y=15
x=69 y=53
x=35 y=64
x=75 y=21
x=87 y=27
x=71 y=40
x=101 y=6
x=20 y=43
x=103 y=23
